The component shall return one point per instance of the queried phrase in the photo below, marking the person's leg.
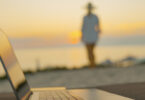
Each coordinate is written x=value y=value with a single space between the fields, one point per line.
x=90 y=52
x=92 y=47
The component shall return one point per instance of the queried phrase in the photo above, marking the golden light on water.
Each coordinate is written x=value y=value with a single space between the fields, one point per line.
x=75 y=37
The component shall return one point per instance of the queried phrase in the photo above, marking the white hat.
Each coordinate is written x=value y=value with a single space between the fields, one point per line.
x=90 y=6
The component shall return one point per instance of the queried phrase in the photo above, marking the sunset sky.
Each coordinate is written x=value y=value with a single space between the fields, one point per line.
x=62 y=18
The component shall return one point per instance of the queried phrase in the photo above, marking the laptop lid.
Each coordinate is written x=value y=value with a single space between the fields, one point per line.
x=12 y=68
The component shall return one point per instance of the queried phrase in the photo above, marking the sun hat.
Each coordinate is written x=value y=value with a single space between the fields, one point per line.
x=90 y=6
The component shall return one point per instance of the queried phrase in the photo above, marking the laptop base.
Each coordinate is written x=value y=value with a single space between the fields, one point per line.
x=52 y=94
x=78 y=94
x=96 y=94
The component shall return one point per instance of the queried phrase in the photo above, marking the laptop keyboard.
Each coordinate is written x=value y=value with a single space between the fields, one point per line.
x=56 y=95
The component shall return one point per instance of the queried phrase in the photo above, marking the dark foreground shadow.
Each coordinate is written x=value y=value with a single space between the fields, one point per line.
x=132 y=90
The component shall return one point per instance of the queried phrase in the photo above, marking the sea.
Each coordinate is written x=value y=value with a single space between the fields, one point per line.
x=71 y=56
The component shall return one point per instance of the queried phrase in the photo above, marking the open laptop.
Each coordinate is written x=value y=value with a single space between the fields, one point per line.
x=20 y=86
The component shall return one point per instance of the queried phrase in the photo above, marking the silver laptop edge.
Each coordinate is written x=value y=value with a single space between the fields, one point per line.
x=13 y=69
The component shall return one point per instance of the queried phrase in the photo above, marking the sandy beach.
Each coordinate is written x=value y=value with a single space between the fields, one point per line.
x=83 y=78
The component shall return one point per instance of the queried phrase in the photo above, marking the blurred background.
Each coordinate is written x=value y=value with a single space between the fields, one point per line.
x=46 y=34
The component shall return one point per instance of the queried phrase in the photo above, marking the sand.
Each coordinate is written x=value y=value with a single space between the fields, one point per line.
x=83 y=78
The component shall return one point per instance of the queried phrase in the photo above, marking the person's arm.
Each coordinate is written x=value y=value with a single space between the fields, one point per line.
x=97 y=27
x=83 y=25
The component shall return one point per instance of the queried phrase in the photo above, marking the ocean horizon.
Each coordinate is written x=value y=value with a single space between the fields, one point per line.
x=72 y=56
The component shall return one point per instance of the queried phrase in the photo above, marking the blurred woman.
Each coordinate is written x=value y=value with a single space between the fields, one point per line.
x=90 y=33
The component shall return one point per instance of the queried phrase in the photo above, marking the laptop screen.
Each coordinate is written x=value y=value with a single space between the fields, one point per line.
x=12 y=69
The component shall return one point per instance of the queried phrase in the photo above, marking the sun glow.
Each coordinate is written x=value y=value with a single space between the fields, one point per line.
x=75 y=37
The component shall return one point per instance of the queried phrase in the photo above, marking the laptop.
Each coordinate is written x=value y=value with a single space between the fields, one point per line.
x=20 y=85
